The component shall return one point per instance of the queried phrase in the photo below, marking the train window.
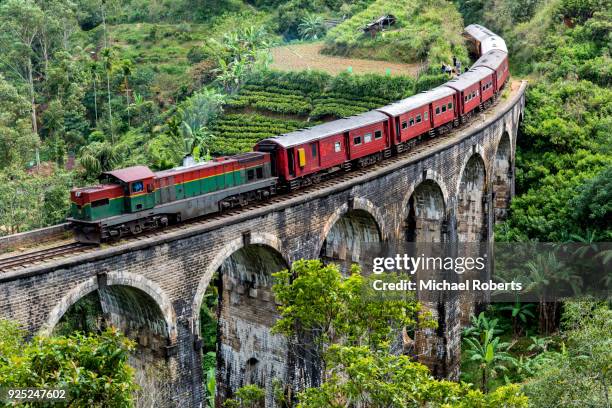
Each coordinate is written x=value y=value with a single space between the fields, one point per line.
x=137 y=187
x=418 y=118
x=465 y=98
x=259 y=172
x=367 y=138
x=337 y=147
x=99 y=203
x=437 y=110
x=313 y=149
x=450 y=106
x=357 y=140
x=425 y=115
x=250 y=174
x=411 y=121
x=404 y=125
x=443 y=108
x=377 y=134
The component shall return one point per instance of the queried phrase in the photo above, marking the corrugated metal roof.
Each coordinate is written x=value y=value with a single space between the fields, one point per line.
x=488 y=39
x=416 y=101
x=299 y=137
x=493 y=43
x=479 y=32
x=130 y=174
x=469 y=78
x=491 y=59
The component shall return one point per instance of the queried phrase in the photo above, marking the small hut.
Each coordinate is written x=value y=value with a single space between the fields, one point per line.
x=380 y=24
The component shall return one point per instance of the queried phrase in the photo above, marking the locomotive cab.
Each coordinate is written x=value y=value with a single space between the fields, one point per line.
x=138 y=187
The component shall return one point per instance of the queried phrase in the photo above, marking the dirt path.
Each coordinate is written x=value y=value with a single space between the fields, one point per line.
x=304 y=56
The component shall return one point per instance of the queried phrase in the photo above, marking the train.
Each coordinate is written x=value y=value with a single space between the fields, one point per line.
x=132 y=200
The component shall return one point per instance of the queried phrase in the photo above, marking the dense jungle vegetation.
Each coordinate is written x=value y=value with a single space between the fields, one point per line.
x=91 y=85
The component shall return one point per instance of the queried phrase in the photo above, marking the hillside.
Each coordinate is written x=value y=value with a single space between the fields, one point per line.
x=425 y=31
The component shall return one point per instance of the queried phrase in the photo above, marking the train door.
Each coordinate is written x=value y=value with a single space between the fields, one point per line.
x=291 y=161
x=167 y=192
x=228 y=173
x=347 y=143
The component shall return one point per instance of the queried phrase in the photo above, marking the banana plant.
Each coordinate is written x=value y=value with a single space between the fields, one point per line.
x=491 y=355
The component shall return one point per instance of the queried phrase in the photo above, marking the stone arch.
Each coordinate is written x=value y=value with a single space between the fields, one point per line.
x=247 y=351
x=502 y=177
x=125 y=279
x=471 y=193
x=472 y=227
x=220 y=257
x=141 y=310
x=425 y=213
x=349 y=230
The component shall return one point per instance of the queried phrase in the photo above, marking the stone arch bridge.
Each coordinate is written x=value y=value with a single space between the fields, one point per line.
x=153 y=288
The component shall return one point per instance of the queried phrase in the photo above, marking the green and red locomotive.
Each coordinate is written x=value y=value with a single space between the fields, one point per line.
x=135 y=199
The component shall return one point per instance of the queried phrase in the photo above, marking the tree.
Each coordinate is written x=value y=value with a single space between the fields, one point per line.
x=17 y=140
x=108 y=58
x=490 y=354
x=92 y=368
x=20 y=23
x=579 y=375
x=312 y=27
x=363 y=378
x=126 y=69
x=352 y=327
x=196 y=114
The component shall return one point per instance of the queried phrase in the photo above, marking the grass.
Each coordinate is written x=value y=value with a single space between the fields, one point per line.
x=425 y=31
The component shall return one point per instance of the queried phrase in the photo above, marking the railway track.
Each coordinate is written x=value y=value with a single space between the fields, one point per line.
x=22 y=260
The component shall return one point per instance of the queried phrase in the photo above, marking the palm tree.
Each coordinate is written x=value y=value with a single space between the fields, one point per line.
x=546 y=272
x=98 y=157
x=108 y=56
x=126 y=69
x=491 y=356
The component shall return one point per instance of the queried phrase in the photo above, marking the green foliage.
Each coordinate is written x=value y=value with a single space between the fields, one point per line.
x=379 y=379
x=29 y=201
x=93 y=369
x=520 y=314
x=481 y=325
x=316 y=299
x=490 y=354
x=579 y=375
x=351 y=327
x=312 y=27
x=249 y=396
x=426 y=31
x=239 y=53
x=17 y=141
